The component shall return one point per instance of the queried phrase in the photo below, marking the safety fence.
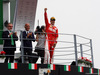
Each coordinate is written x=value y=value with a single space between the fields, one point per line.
x=69 y=48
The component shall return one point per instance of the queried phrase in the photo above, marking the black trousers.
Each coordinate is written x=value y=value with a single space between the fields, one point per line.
x=40 y=52
x=29 y=53
x=10 y=56
x=32 y=60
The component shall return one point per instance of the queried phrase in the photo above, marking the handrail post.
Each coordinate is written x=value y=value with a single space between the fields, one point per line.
x=75 y=46
x=22 y=50
x=91 y=52
x=81 y=50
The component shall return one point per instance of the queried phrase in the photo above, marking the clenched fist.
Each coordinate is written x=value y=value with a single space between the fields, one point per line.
x=45 y=9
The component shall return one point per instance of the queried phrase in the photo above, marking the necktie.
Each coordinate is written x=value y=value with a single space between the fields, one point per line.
x=12 y=41
x=27 y=32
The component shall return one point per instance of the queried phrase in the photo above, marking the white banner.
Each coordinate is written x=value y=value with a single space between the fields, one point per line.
x=26 y=11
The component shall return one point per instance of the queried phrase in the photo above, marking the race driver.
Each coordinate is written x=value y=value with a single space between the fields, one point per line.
x=52 y=34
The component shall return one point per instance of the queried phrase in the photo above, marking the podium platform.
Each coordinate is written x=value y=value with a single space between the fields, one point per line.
x=25 y=69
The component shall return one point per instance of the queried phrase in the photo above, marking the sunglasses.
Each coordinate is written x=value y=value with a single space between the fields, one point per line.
x=52 y=19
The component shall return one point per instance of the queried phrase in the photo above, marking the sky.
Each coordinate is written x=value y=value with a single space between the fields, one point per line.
x=81 y=17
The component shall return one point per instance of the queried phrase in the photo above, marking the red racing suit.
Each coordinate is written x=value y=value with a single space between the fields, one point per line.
x=52 y=35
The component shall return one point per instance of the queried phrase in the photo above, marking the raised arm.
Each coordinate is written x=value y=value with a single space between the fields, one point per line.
x=46 y=18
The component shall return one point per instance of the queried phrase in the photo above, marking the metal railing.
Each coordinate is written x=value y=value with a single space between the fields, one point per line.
x=65 y=51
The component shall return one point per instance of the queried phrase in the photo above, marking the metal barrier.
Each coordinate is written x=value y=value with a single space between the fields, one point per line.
x=66 y=51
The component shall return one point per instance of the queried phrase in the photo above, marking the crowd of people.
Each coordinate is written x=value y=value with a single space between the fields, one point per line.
x=46 y=38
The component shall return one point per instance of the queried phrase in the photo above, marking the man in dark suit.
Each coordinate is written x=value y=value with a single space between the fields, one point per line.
x=28 y=37
x=9 y=45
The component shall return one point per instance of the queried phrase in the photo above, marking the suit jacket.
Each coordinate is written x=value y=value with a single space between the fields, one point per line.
x=27 y=42
x=7 y=41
